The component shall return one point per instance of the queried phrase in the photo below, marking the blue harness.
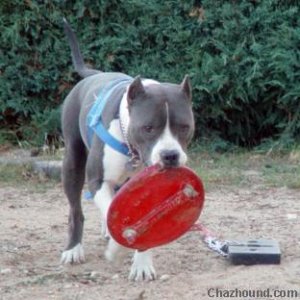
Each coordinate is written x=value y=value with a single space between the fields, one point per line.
x=94 y=119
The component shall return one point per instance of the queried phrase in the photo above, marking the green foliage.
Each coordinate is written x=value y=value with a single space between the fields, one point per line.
x=248 y=79
x=33 y=66
x=243 y=58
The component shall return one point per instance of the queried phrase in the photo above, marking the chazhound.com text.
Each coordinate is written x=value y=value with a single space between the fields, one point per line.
x=255 y=294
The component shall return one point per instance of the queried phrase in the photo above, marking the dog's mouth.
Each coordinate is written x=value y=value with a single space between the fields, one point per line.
x=169 y=159
x=166 y=159
x=160 y=165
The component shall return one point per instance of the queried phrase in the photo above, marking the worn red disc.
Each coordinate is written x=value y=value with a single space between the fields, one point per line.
x=155 y=207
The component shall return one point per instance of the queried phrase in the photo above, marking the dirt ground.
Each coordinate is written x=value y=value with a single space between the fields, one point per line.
x=34 y=230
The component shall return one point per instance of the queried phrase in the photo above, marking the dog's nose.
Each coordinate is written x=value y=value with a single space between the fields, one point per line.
x=170 y=158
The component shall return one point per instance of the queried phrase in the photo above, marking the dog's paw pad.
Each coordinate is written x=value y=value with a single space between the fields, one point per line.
x=74 y=255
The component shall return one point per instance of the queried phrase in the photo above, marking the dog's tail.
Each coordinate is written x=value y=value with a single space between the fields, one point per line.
x=77 y=58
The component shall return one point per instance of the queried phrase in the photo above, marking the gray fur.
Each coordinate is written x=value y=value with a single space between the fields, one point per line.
x=75 y=109
x=77 y=58
x=147 y=109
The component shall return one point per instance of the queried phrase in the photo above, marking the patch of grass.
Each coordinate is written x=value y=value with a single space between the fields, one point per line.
x=218 y=169
x=234 y=168
x=22 y=175
x=282 y=173
x=12 y=173
x=247 y=168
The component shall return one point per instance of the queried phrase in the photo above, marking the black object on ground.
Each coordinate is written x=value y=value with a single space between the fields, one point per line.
x=251 y=252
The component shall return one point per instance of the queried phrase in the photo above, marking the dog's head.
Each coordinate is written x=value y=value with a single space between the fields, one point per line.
x=161 y=121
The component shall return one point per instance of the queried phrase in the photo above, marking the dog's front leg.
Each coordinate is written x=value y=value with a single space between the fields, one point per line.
x=103 y=200
x=115 y=252
x=142 y=266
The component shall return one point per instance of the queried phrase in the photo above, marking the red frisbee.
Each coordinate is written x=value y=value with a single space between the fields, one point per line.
x=155 y=207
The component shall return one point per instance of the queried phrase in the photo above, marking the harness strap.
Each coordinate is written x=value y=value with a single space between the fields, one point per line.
x=94 y=120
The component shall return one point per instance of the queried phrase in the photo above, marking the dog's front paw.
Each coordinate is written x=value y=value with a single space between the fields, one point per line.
x=115 y=253
x=142 y=267
x=74 y=255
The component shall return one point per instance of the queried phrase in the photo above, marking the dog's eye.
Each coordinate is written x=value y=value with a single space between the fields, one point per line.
x=148 y=128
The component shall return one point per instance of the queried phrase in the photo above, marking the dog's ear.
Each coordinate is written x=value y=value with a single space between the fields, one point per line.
x=186 y=87
x=135 y=89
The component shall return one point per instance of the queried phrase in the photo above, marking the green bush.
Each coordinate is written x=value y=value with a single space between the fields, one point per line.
x=243 y=58
x=248 y=78
x=34 y=67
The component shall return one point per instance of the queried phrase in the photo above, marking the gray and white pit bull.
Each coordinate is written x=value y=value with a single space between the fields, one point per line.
x=153 y=119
